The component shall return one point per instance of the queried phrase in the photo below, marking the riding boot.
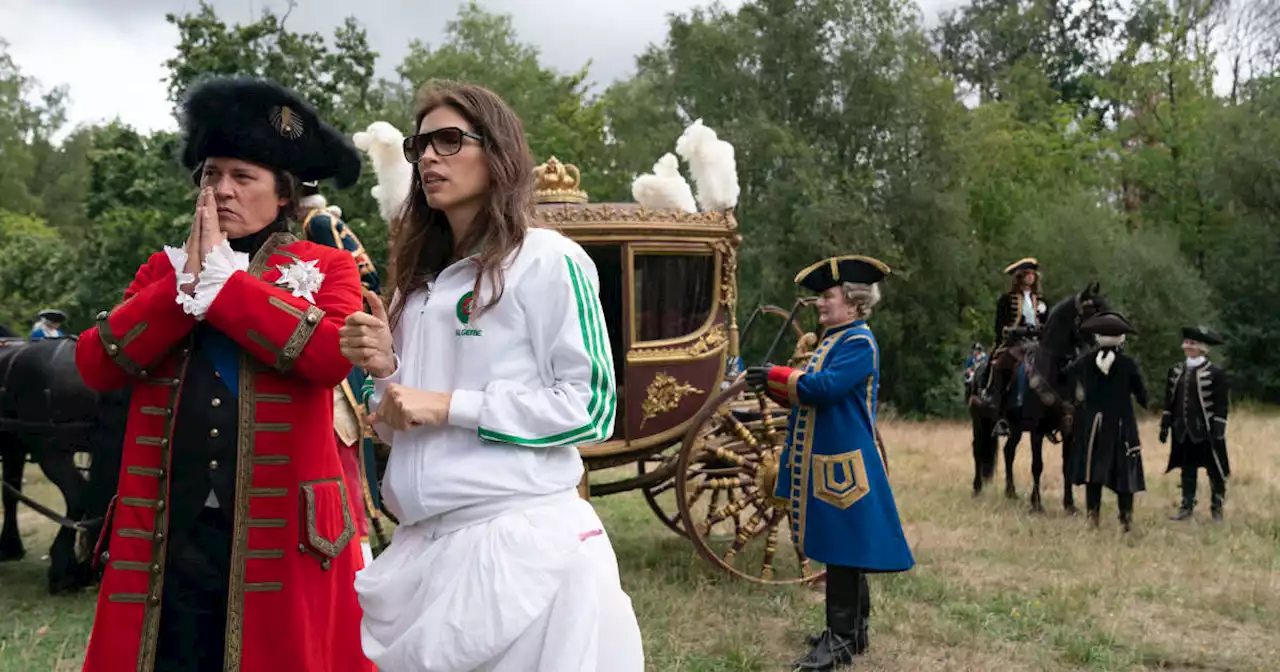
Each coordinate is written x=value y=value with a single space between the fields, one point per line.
x=837 y=644
x=1126 y=511
x=863 y=638
x=1093 y=503
x=1188 y=494
x=1219 y=488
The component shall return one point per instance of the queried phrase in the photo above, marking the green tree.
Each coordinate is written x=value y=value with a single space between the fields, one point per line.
x=840 y=120
x=28 y=118
x=560 y=118
x=37 y=273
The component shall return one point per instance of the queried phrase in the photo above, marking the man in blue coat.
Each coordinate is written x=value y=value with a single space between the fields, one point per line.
x=322 y=224
x=832 y=471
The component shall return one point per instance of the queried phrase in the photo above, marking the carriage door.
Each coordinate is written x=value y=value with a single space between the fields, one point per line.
x=677 y=338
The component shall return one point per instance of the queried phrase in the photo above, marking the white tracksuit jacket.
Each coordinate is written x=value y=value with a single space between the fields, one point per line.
x=532 y=378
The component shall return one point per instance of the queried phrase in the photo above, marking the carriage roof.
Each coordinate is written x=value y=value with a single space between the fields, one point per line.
x=562 y=204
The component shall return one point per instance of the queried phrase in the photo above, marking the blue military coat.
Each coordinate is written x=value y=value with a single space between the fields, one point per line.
x=831 y=471
x=321 y=226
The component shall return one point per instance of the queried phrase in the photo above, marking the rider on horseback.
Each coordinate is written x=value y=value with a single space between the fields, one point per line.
x=1019 y=316
x=48 y=324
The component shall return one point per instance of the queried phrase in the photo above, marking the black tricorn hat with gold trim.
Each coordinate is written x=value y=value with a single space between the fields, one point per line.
x=1028 y=264
x=262 y=122
x=850 y=268
x=1108 y=324
x=1202 y=334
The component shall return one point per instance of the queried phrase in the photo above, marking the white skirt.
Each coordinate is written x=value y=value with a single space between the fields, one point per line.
x=532 y=590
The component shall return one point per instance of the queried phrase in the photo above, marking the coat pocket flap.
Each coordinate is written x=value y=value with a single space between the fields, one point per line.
x=327 y=523
x=840 y=480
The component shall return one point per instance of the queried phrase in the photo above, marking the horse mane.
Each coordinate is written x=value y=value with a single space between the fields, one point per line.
x=1059 y=340
x=1059 y=326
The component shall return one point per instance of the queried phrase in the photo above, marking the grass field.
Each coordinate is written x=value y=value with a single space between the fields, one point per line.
x=995 y=588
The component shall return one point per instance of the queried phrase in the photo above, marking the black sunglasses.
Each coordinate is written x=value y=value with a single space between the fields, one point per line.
x=446 y=142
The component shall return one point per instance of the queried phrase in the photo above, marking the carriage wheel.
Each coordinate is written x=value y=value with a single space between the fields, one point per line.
x=662 y=496
x=724 y=483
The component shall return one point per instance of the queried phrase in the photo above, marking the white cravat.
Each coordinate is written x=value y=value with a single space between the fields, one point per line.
x=1028 y=308
x=1195 y=362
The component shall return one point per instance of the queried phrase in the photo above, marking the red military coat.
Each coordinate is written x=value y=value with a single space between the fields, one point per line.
x=291 y=600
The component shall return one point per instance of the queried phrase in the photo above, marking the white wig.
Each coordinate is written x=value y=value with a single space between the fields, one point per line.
x=862 y=297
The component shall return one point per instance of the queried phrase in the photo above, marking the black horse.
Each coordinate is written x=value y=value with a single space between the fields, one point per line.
x=1047 y=406
x=47 y=413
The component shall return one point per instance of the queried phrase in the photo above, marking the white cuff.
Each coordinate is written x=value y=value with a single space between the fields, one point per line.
x=178 y=257
x=464 y=408
x=219 y=264
x=380 y=384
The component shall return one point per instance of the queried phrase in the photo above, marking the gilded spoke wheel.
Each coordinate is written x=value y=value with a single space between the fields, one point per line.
x=724 y=484
x=661 y=496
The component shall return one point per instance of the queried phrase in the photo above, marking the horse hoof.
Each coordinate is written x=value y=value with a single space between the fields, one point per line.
x=11 y=553
x=1037 y=507
x=1010 y=494
x=1071 y=510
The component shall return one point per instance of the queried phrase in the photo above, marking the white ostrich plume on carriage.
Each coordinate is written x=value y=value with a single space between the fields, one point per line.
x=664 y=188
x=383 y=143
x=711 y=162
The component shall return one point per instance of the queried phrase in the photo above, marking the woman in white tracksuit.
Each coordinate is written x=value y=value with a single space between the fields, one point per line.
x=493 y=366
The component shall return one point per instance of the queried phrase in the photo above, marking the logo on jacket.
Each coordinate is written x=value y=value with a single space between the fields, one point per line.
x=465 y=306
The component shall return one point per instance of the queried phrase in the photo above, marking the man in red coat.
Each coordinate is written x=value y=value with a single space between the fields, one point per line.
x=230 y=536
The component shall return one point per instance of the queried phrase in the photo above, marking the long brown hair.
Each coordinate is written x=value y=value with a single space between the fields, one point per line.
x=1017 y=283
x=423 y=244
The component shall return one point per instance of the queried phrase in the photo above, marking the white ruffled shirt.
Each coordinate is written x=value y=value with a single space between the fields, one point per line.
x=219 y=264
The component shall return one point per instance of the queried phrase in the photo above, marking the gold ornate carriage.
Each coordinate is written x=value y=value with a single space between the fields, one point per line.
x=703 y=451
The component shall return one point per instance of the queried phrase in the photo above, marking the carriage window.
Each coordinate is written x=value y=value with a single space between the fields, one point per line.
x=673 y=294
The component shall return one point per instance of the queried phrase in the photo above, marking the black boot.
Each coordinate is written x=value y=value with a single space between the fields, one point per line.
x=1188 y=495
x=1184 y=511
x=1126 y=520
x=839 y=642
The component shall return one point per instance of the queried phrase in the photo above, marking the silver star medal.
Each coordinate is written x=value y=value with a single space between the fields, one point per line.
x=302 y=278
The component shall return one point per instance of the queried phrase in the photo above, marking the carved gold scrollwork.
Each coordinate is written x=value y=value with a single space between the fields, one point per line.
x=728 y=272
x=708 y=342
x=615 y=213
x=663 y=396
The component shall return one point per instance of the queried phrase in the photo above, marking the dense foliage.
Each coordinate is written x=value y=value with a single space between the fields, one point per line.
x=1087 y=135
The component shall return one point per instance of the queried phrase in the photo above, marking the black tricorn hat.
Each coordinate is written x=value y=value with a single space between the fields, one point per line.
x=1028 y=264
x=260 y=121
x=1202 y=334
x=851 y=268
x=52 y=314
x=1108 y=324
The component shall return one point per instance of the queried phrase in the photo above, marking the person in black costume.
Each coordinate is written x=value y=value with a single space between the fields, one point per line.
x=1196 y=402
x=1108 y=451
x=1019 y=315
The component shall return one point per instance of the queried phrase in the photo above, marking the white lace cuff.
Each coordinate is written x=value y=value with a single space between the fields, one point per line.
x=219 y=264
x=178 y=257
